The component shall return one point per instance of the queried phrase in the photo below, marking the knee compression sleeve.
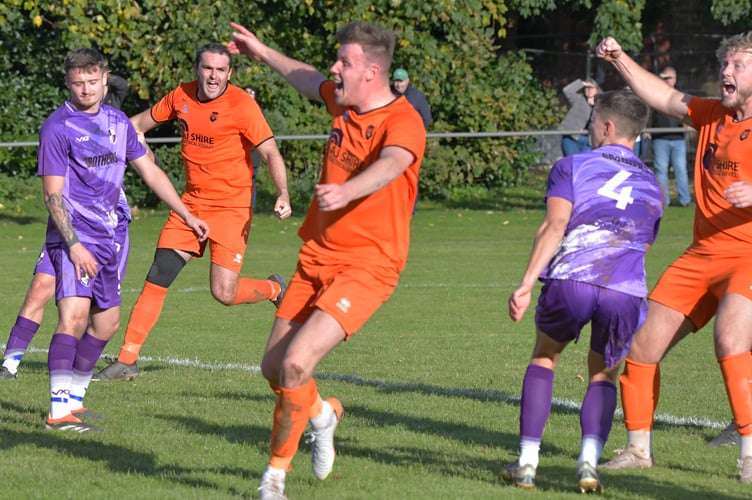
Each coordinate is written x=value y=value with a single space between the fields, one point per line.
x=165 y=268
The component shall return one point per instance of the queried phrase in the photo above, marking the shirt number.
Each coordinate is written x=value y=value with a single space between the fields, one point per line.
x=623 y=196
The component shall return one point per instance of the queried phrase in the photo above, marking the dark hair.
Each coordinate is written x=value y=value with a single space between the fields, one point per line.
x=377 y=42
x=85 y=58
x=629 y=113
x=214 y=48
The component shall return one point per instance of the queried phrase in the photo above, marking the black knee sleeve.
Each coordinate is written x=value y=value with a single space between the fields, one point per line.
x=165 y=268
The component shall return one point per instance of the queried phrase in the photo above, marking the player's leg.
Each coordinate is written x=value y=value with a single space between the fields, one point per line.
x=640 y=381
x=229 y=240
x=617 y=315
x=230 y=289
x=165 y=268
x=104 y=323
x=733 y=339
x=73 y=314
x=41 y=290
x=564 y=307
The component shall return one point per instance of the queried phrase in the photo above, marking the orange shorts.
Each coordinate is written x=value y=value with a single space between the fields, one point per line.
x=228 y=234
x=348 y=293
x=695 y=284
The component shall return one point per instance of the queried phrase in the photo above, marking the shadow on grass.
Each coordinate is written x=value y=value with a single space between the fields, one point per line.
x=22 y=219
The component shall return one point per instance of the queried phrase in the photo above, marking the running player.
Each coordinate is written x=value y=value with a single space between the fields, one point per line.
x=220 y=125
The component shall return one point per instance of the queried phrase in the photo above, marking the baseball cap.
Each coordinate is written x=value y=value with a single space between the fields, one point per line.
x=399 y=74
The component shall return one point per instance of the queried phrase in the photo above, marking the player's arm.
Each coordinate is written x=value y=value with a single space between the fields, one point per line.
x=655 y=92
x=547 y=240
x=53 y=199
x=157 y=180
x=303 y=77
x=143 y=122
x=392 y=162
x=270 y=153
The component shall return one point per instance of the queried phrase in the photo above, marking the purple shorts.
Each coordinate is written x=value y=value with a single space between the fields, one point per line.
x=565 y=307
x=104 y=289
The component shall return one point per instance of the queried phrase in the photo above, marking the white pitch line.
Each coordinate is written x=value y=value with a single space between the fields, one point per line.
x=487 y=395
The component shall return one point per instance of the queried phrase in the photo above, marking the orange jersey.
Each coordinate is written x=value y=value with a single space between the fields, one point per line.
x=374 y=229
x=217 y=139
x=724 y=156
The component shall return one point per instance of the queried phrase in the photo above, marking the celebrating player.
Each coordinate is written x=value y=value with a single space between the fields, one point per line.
x=221 y=124
x=355 y=236
x=713 y=276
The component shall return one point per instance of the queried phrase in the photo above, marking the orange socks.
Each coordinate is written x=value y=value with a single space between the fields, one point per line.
x=251 y=291
x=291 y=415
x=639 y=384
x=144 y=316
x=737 y=373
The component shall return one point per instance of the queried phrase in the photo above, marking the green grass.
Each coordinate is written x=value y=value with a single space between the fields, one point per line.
x=430 y=385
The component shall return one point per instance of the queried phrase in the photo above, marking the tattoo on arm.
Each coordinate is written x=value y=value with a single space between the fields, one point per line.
x=61 y=218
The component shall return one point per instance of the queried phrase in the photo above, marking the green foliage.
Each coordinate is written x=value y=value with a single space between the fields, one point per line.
x=620 y=18
x=731 y=11
x=453 y=50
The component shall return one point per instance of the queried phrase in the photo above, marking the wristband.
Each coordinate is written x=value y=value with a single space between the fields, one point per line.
x=72 y=241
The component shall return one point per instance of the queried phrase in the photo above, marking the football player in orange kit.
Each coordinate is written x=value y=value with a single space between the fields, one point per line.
x=713 y=276
x=220 y=125
x=355 y=236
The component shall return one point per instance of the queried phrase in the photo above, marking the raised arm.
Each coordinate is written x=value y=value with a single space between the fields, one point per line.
x=655 y=92
x=303 y=77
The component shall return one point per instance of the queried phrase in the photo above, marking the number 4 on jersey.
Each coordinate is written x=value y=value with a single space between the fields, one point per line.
x=624 y=196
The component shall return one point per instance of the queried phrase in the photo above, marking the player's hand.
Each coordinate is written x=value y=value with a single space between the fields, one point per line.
x=609 y=49
x=519 y=301
x=282 y=208
x=245 y=42
x=739 y=194
x=331 y=196
x=199 y=227
x=83 y=261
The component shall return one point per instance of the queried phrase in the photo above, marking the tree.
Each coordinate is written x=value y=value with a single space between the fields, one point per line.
x=455 y=52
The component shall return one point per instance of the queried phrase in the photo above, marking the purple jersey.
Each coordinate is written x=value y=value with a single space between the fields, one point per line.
x=617 y=204
x=91 y=152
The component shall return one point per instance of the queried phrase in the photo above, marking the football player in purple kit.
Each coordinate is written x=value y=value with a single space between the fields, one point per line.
x=603 y=210
x=83 y=152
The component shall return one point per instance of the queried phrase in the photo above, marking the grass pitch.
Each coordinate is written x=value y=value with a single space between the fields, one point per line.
x=430 y=385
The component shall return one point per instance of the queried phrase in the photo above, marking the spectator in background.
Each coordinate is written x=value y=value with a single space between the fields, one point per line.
x=581 y=96
x=670 y=148
x=255 y=156
x=401 y=86
x=117 y=89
